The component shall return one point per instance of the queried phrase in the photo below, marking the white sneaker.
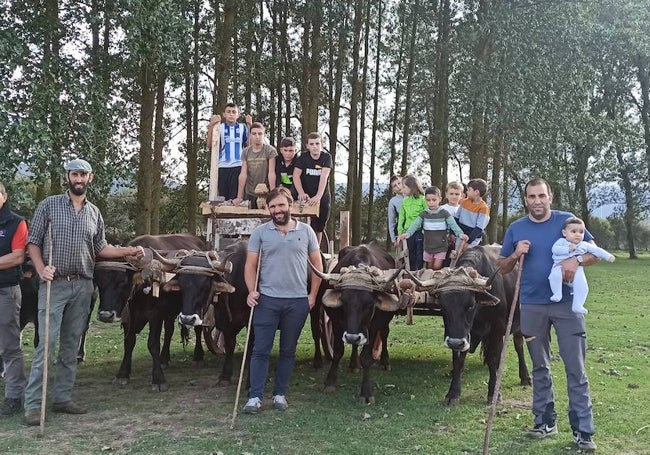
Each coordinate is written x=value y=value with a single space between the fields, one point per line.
x=280 y=402
x=253 y=405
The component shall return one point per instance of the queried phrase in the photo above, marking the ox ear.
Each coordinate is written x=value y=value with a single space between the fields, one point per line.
x=172 y=286
x=387 y=302
x=332 y=298
x=487 y=299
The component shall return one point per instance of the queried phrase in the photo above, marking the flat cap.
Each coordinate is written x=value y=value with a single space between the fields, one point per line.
x=78 y=165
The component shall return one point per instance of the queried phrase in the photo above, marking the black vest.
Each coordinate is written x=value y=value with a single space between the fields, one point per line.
x=9 y=222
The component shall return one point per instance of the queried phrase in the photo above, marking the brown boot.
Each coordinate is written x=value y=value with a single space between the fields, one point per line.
x=68 y=407
x=33 y=417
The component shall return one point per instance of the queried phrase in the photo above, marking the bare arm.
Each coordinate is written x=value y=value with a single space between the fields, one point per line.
x=271 y=173
x=322 y=185
x=241 y=182
x=250 y=277
x=315 y=259
x=118 y=252
x=16 y=257
x=45 y=272
x=302 y=196
x=506 y=264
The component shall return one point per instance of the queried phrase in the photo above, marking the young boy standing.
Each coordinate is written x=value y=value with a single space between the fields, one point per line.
x=394 y=206
x=310 y=177
x=435 y=221
x=453 y=194
x=473 y=215
x=258 y=166
x=285 y=165
x=234 y=137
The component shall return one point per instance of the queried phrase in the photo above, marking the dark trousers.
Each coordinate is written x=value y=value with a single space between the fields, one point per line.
x=228 y=182
x=271 y=313
x=415 y=244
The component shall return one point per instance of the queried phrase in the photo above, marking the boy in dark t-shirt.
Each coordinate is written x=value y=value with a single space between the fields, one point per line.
x=310 y=178
x=284 y=165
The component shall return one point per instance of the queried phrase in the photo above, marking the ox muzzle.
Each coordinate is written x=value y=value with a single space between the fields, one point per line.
x=354 y=338
x=190 y=320
x=107 y=316
x=457 y=344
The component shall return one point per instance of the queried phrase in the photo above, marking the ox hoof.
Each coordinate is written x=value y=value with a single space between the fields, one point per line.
x=330 y=388
x=491 y=397
x=452 y=401
x=387 y=367
x=367 y=400
x=526 y=382
x=121 y=381
x=159 y=387
x=355 y=370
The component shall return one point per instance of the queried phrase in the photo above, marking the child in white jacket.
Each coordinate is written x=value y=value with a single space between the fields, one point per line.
x=572 y=244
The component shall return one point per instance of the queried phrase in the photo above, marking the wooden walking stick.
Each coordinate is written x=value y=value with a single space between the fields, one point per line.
x=46 y=347
x=504 y=350
x=248 y=334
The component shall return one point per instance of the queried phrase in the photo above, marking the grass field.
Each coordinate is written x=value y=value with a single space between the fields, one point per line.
x=409 y=416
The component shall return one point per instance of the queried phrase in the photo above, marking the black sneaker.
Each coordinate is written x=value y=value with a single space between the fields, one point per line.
x=584 y=441
x=10 y=407
x=542 y=430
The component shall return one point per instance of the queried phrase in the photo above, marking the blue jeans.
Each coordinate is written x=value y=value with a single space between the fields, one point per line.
x=415 y=244
x=69 y=308
x=270 y=314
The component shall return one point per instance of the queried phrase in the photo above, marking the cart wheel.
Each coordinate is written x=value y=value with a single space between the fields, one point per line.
x=326 y=335
x=214 y=340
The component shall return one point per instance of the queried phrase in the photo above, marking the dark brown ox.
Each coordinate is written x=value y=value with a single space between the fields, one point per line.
x=476 y=313
x=114 y=280
x=360 y=305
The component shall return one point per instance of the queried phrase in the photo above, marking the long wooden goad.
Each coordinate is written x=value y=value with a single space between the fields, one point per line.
x=46 y=347
x=502 y=360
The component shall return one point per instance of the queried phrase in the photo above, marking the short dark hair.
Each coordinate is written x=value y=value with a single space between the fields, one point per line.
x=434 y=190
x=280 y=191
x=288 y=142
x=536 y=182
x=231 y=105
x=479 y=185
x=572 y=220
x=393 y=178
x=257 y=125
x=314 y=135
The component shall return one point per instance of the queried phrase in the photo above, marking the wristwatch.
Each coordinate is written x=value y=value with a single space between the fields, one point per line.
x=580 y=259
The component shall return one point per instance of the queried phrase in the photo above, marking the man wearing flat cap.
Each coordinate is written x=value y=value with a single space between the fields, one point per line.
x=77 y=238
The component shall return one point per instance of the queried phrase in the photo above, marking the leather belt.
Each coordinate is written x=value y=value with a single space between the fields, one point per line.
x=69 y=277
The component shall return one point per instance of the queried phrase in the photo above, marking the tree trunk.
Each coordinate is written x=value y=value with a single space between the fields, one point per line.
x=375 y=110
x=156 y=167
x=393 y=137
x=223 y=57
x=52 y=82
x=409 y=85
x=439 y=152
x=495 y=187
x=353 y=184
x=643 y=74
x=143 y=198
x=193 y=151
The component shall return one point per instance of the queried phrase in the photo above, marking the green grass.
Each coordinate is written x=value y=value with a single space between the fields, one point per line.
x=409 y=415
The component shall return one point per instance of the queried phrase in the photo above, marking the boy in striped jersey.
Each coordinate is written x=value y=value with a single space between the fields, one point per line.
x=435 y=222
x=233 y=138
x=473 y=215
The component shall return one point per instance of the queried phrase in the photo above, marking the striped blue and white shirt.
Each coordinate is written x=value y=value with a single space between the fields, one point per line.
x=233 y=138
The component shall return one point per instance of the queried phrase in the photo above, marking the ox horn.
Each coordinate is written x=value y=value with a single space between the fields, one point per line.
x=391 y=276
x=336 y=277
x=490 y=280
x=225 y=267
x=169 y=264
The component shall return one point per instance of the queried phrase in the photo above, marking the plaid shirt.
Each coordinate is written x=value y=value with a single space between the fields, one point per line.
x=77 y=237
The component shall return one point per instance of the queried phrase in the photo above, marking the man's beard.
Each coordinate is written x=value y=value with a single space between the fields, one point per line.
x=281 y=218
x=78 y=189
